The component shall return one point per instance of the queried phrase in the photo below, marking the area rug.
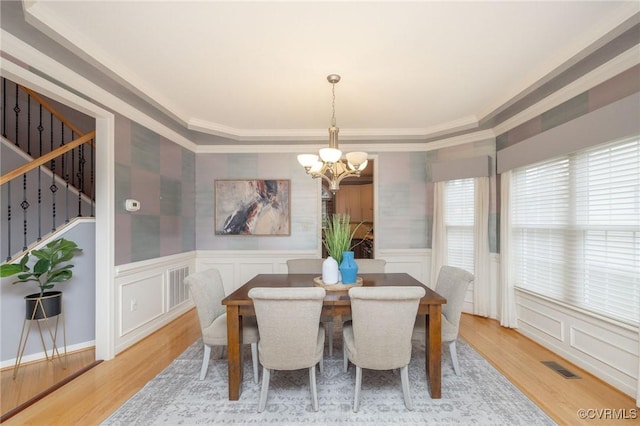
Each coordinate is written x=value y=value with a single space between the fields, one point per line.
x=479 y=396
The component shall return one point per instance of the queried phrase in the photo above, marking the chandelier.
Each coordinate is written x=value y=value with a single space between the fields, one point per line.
x=329 y=165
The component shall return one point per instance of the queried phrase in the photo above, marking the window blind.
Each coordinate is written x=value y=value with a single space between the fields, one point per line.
x=459 y=221
x=576 y=229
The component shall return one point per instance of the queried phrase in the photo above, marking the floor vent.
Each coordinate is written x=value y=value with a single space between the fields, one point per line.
x=178 y=291
x=560 y=370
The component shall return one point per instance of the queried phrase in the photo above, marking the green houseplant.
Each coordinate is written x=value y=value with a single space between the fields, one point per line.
x=51 y=267
x=337 y=239
x=337 y=236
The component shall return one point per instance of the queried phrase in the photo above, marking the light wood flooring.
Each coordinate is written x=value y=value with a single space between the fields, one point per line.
x=91 y=397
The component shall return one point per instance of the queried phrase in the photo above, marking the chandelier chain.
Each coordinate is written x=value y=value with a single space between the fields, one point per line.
x=333 y=105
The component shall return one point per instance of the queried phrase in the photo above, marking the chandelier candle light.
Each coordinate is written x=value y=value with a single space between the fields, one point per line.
x=329 y=165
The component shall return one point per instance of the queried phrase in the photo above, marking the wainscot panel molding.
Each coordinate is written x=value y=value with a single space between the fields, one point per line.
x=239 y=266
x=415 y=262
x=606 y=348
x=145 y=292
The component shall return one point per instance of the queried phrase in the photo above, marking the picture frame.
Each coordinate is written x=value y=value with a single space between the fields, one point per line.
x=259 y=207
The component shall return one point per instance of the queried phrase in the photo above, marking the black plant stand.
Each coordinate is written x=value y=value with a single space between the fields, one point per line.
x=47 y=311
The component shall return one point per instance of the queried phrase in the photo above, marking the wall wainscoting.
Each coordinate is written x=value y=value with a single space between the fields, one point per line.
x=148 y=296
x=605 y=348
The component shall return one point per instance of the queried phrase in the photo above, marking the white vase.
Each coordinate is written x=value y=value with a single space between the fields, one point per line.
x=330 y=271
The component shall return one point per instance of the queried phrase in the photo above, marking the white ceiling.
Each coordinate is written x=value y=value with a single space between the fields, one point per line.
x=257 y=70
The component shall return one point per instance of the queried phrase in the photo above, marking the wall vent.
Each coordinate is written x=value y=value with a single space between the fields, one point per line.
x=560 y=370
x=178 y=291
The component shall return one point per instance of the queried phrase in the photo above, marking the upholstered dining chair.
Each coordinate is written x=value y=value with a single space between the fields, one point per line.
x=290 y=334
x=371 y=266
x=367 y=266
x=207 y=292
x=452 y=284
x=379 y=334
x=313 y=266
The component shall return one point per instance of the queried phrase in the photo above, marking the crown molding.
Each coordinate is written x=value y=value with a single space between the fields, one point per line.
x=374 y=147
x=21 y=53
x=599 y=75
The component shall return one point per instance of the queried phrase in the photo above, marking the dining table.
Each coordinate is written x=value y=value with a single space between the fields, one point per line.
x=336 y=303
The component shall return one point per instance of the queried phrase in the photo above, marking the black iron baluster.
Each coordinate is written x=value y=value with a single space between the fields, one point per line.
x=4 y=107
x=53 y=188
x=65 y=174
x=40 y=130
x=92 y=151
x=81 y=161
x=25 y=206
x=74 y=183
x=16 y=109
x=29 y=124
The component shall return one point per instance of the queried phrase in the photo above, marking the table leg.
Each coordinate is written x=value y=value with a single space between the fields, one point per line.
x=433 y=350
x=234 y=354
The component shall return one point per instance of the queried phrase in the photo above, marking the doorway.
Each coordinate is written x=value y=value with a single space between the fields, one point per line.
x=355 y=198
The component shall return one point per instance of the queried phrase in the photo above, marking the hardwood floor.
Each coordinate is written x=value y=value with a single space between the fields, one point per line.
x=91 y=397
x=49 y=374
x=520 y=360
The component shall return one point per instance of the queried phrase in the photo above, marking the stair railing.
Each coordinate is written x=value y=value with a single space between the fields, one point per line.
x=54 y=172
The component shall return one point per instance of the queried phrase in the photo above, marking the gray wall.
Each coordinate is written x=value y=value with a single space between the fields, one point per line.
x=404 y=212
x=160 y=174
x=78 y=300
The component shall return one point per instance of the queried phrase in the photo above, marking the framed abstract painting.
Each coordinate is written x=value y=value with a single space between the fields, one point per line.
x=252 y=207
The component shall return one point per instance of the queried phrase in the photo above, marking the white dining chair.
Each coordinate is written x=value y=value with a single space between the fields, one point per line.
x=379 y=334
x=290 y=334
x=313 y=266
x=207 y=292
x=452 y=284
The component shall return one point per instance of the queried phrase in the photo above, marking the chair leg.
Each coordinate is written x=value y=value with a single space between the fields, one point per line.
x=328 y=325
x=254 y=359
x=266 y=374
x=321 y=364
x=345 y=360
x=406 y=391
x=314 y=390
x=205 y=361
x=454 y=357
x=356 y=396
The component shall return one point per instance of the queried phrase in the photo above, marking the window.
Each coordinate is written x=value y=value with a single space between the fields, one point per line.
x=576 y=229
x=459 y=220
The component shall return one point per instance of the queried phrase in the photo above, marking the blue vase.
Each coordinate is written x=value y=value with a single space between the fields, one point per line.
x=348 y=268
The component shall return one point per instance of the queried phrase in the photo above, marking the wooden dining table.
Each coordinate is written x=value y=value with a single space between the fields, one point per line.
x=335 y=303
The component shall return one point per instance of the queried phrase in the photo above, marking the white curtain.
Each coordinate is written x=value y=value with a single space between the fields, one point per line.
x=481 y=285
x=638 y=379
x=507 y=299
x=438 y=234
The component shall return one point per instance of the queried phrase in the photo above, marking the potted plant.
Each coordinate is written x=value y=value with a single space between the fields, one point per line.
x=337 y=240
x=51 y=267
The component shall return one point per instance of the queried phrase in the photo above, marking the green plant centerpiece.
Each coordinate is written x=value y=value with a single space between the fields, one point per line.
x=338 y=236
x=51 y=267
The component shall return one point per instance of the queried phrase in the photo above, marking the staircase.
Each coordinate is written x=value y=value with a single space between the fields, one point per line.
x=47 y=169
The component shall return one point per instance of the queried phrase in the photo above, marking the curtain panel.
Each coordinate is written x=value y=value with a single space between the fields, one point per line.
x=481 y=285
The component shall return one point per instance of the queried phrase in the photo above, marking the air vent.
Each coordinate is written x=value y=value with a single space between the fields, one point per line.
x=178 y=291
x=560 y=370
